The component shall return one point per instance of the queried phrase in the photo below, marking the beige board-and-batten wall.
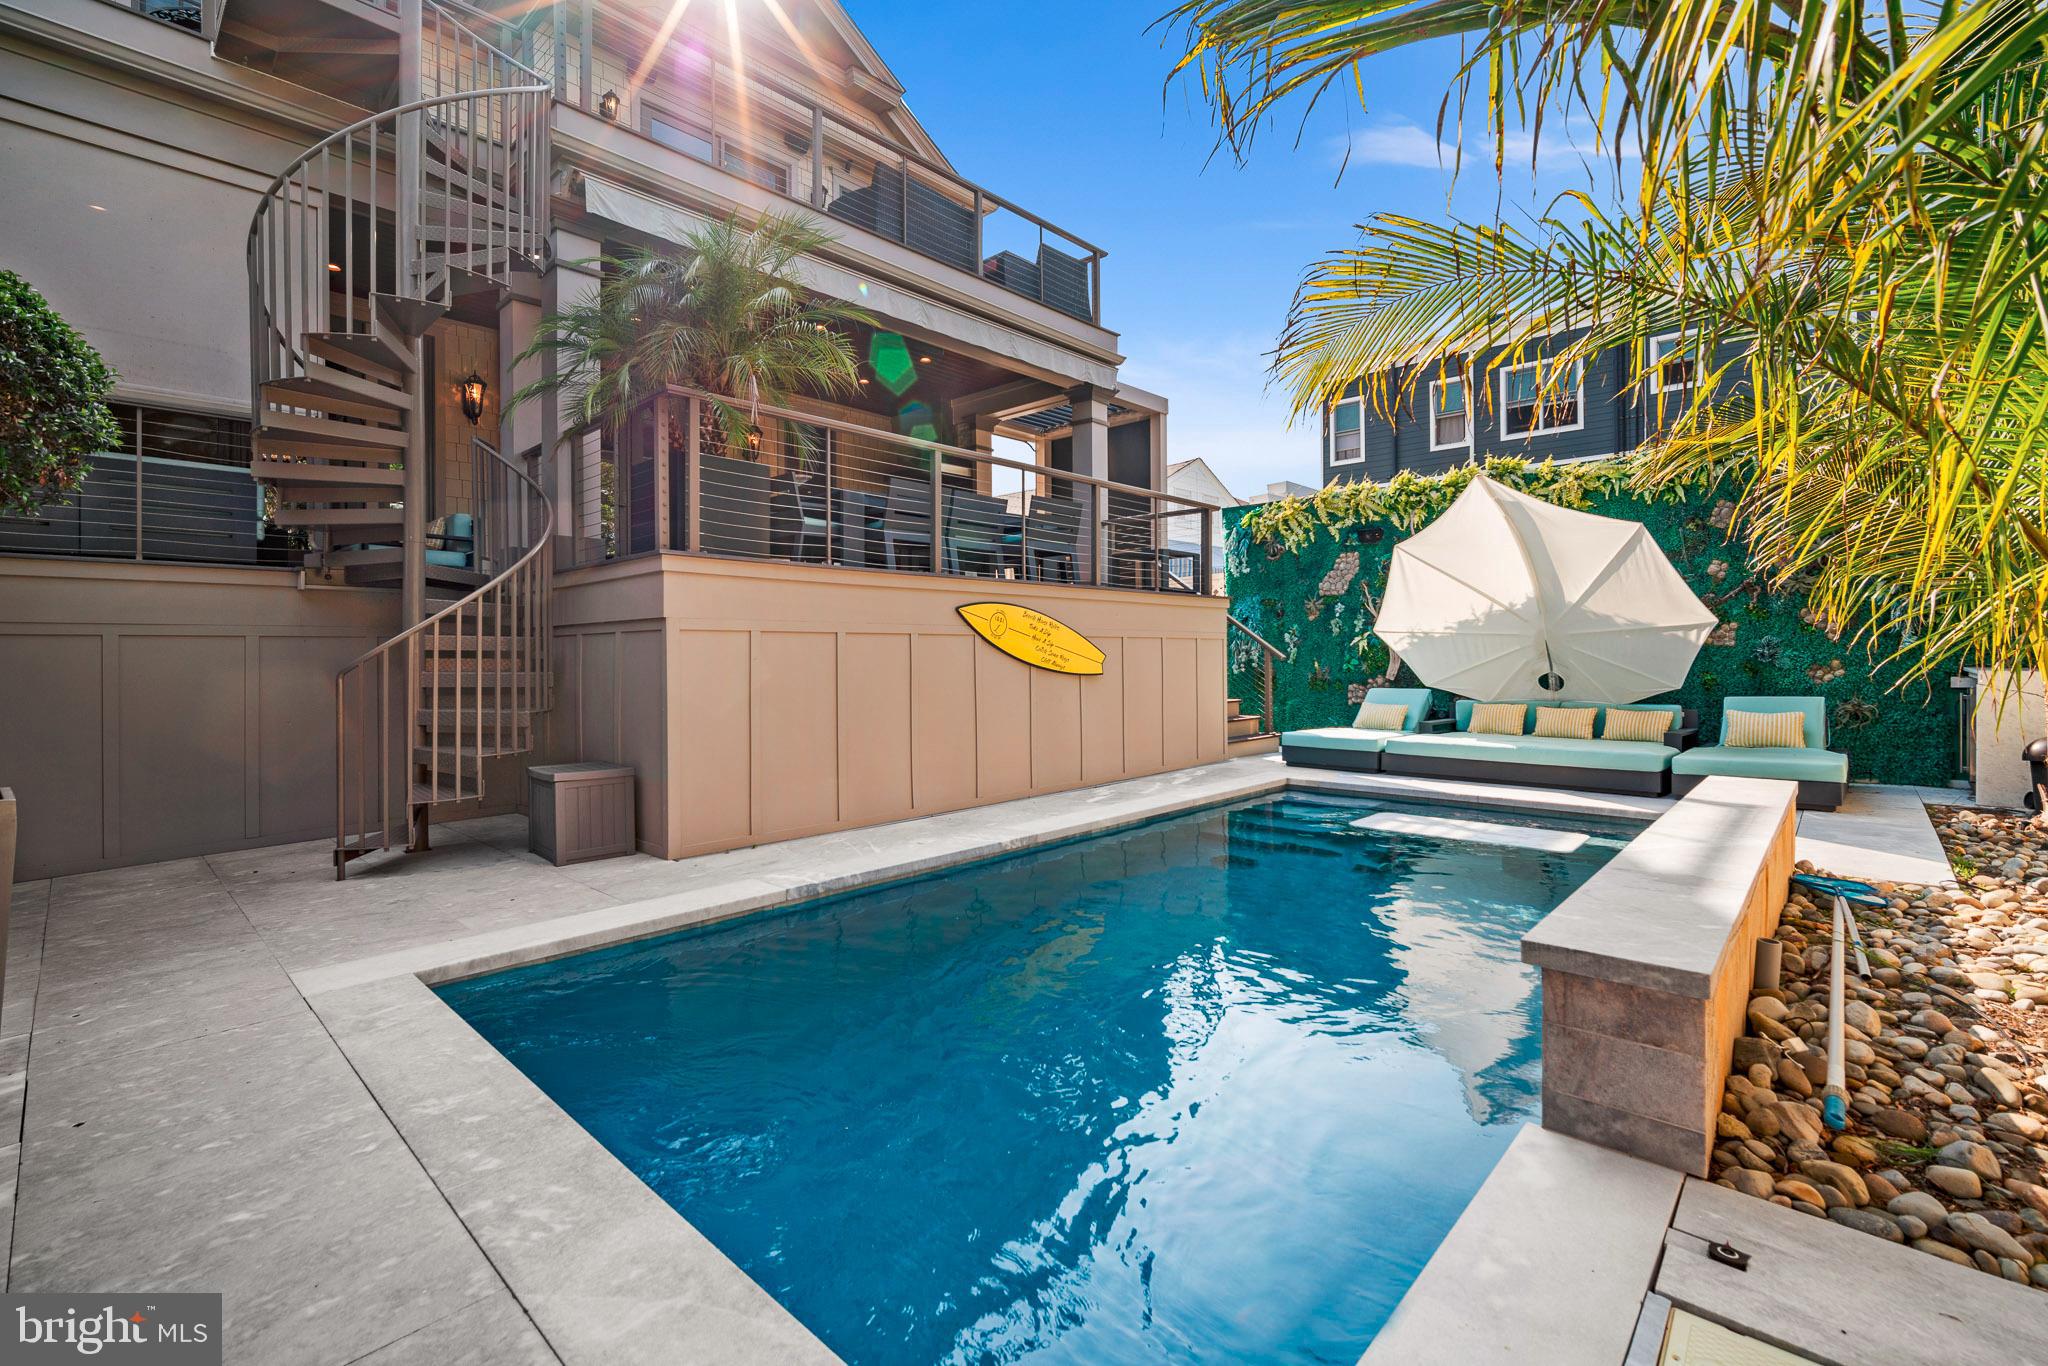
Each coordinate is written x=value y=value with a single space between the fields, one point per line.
x=760 y=702
x=157 y=711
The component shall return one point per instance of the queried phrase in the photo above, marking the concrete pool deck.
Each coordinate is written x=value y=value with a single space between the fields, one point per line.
x=227 y=1074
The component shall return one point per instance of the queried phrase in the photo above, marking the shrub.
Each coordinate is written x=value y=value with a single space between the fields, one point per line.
x=52 y=410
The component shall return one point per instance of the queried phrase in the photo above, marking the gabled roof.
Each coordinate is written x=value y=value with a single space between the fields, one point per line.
x=879 y=79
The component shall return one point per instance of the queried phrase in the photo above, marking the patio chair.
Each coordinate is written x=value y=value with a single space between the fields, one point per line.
x=980 y=534
x=797 y=518
x=1051 y=538
x=907 y=520
x=454 y=546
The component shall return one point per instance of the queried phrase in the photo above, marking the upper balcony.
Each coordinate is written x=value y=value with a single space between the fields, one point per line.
x=686 y=92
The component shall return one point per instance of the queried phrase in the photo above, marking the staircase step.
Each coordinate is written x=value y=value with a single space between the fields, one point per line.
x=324 y=386
x=1243 y=727
x=284 y=446
x=406 y=315
x=292 y=494
x=1252 y=744
x=447 y=790
x=470 y=257
x=463 y=283
x=469 y=680
x=328 y=479
x=284 y=427
x=515 y=718
x=366 y=351
x=1236 y=709
x=355 y=846
x=366 y=523
x=467 y=642
x=439 y=206
x=465 y=761
x=454 y=215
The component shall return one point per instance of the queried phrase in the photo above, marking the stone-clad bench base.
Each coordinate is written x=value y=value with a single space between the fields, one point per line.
x=1647 y=970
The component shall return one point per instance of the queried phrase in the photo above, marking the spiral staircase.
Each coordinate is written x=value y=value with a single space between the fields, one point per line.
x=355 y=250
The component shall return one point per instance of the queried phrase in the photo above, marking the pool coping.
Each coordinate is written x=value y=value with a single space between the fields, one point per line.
x=607 y=1269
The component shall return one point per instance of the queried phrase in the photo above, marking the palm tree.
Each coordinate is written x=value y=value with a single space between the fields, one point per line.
x=1856 y=196
x=722 y=312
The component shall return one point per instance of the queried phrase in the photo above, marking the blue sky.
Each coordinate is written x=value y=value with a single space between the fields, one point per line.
x=1058 y=105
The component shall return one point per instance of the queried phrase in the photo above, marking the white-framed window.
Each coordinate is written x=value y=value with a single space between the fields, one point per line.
x=1674 y=362
x=1450 y=412
x=1539 y=397
x=769 y=174
x=681 y=135
x=1347 y=429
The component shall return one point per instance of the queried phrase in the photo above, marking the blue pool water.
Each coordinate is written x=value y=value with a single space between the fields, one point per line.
x=1210 y=1089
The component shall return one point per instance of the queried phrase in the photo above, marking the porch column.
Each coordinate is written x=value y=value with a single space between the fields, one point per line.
x=566 y=284
x=980 y=435
x=1091 y=458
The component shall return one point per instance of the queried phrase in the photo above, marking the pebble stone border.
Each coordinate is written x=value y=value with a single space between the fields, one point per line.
x=1946 y=1060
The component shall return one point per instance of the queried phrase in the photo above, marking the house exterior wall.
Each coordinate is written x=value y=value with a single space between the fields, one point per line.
x=1617 y=411
x=127 y=205
x=160 y=711
x=175 y=710
x=791 y=700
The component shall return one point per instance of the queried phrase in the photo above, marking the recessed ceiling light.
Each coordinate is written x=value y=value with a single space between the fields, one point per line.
x=97 y=208
x=333 y=267
x=924 y=360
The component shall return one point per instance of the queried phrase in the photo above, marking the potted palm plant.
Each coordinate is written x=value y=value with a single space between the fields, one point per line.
x=721 y=311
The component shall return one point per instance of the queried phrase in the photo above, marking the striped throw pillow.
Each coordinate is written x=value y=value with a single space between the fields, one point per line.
x=1766 y=730
x=1382 y=716
x=1565 y=723
x=1623 y=724
x=1497 y=718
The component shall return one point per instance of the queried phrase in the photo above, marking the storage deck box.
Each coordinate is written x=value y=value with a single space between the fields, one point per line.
x=579 y=811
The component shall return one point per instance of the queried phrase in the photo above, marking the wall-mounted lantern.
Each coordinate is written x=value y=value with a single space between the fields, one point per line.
x=473 y=397
x=608 y=105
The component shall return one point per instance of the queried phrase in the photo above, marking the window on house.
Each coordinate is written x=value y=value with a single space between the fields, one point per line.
x=1674 y=362
x=1540 y=397
x=763 y=172
x=184 y=14
x=1346 y=434
x=679 y=136
x=1450 y=422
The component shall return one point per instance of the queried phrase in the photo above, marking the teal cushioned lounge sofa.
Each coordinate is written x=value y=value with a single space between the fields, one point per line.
x=1640 y=767
x=1353 y=747
x=1822 y=773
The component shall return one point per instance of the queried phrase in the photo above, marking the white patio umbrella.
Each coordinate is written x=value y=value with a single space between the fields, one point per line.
x=1507 y=597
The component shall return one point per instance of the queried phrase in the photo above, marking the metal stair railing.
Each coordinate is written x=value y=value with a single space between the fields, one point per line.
x=1268 y=652
x=328 y=219
x=469 y=683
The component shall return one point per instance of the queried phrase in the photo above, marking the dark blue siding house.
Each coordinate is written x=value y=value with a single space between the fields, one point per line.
x=1499 y=404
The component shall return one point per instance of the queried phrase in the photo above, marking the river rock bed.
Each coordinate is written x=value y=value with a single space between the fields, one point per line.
x=1946 y=1061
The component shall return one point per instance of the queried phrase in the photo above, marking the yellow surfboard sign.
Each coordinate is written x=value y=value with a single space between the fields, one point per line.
x=1041 y=641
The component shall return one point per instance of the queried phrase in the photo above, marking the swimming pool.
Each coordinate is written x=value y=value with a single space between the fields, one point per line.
x=1211 y=1088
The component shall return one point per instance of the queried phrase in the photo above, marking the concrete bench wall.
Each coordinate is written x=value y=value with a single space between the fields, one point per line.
x=1647 y=971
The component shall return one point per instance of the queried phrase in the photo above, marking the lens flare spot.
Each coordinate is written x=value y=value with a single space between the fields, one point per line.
x=889 y=358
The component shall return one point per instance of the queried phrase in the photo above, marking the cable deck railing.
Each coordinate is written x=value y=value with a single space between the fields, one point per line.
x=797 y=487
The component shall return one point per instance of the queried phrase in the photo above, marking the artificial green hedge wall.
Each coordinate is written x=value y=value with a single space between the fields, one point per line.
x=1314 y=602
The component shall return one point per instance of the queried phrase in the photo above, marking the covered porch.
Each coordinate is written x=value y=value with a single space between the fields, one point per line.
x=874 y=488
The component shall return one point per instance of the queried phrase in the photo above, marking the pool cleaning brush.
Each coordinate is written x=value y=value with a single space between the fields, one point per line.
x=1835 y=1098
